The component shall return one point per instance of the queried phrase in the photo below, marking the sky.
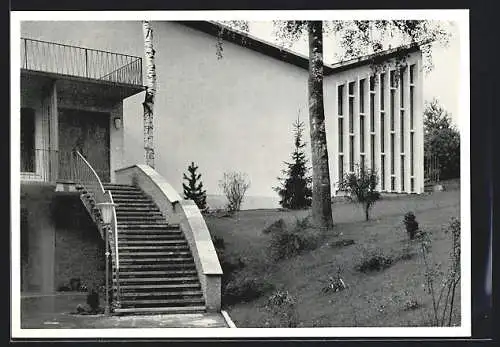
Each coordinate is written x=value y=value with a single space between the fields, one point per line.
x=442 y=82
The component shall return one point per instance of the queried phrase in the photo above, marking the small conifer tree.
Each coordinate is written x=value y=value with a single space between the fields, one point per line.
x=194 y=188
x=295 y=189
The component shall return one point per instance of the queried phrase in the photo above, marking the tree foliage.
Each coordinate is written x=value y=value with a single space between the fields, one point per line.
x=360 y=187
x=295 y=189
x=193 y=190
x=441 y=140
x=234 y=185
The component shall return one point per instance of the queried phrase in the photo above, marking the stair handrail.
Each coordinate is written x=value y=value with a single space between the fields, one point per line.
x=114 y=226
x=85 y=175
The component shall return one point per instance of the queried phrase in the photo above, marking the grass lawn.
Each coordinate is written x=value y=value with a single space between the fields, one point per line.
x=371 y=299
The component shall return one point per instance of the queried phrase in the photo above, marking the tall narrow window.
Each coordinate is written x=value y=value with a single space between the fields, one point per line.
x=362 y=133
x=382 y=91
x=351 y=114
x=392 y=77
x=402 y=130
x=362 y=162
x=351 y=153
x=341 y=168
x=27 y=140
x=382 y=132
x=411 y=154
x=392 y=154
x=402 y=173
x=372 y=112
x=382 y=171
x=411 y=107
x=372 y=83
x=393 y=183
x=351 y=88
x=401 y=87
x=412 y=184
x=372 y=151
x=341 y=134
x=362 y=96
x=392 y=109
x=340 y=100
x=412 y=73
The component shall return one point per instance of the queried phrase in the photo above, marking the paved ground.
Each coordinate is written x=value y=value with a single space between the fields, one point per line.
x=71 y=321
x=55 y=312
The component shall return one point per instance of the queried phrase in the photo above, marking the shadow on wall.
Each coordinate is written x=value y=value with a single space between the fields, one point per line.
x=79 y=248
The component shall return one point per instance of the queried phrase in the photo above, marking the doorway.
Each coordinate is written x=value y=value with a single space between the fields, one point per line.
x=88 y=133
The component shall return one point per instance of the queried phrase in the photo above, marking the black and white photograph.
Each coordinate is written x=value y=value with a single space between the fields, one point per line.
x=300 y=172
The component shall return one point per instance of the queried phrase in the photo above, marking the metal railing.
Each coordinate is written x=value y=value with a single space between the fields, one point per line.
x=37 y=55
x=88 y=178
x=39 y=165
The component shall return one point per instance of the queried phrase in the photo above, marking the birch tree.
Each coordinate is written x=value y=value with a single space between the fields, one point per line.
x=149 y=98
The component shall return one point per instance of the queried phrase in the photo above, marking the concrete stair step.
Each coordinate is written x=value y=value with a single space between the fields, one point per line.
x=162 y=259
x=158 y=310
x=136 y=243
x=158 y=267
x=175 y=253
x=152 y=236
x=159 y=286
x=160 y=294
x=125 y=274
x=132 y=213
x=164 y=302
x=126 y=226
x=171 y=248
x=157 y=279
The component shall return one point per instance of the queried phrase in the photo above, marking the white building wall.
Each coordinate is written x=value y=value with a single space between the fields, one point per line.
x=332 y=118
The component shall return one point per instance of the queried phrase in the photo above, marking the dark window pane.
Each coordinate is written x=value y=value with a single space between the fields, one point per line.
x=340 y=99
x=382 y=132
x=362 y=96
x=362 y=133
x=392 y=110
x=341 y=134
x=402 y=135
x=372 y=112
x=351 y=114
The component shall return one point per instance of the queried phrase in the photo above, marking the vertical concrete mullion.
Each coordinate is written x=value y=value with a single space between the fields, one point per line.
x=378 y=165
x=397 y=135
x=419 y=128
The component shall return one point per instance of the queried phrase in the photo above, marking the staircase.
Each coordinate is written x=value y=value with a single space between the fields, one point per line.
x=157 y=271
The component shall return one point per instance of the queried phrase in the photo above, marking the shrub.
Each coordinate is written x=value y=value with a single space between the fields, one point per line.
x=411 y=224
x=234 y=185
x=360 y=187
x=288 y=243
x=279 y=225
x=283 y=306
x=342 y=243
x=442 y=294
x=245 y=288
x=374 y=261
x=335 y=283
x=411 y=304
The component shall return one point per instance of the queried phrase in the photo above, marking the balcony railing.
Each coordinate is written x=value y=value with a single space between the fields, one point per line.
x=44 y=165
x=76 y=61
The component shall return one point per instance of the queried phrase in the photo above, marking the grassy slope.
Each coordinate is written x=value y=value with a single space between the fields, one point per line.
x=375 y=299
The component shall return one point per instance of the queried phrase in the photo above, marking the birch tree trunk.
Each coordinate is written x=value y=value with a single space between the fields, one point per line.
x=148 y=104
x=321 y=196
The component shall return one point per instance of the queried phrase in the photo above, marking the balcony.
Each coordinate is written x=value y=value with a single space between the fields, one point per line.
x=44 y=166
x=81 y=63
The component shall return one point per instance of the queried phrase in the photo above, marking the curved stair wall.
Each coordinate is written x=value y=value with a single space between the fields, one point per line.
x=193 y=226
